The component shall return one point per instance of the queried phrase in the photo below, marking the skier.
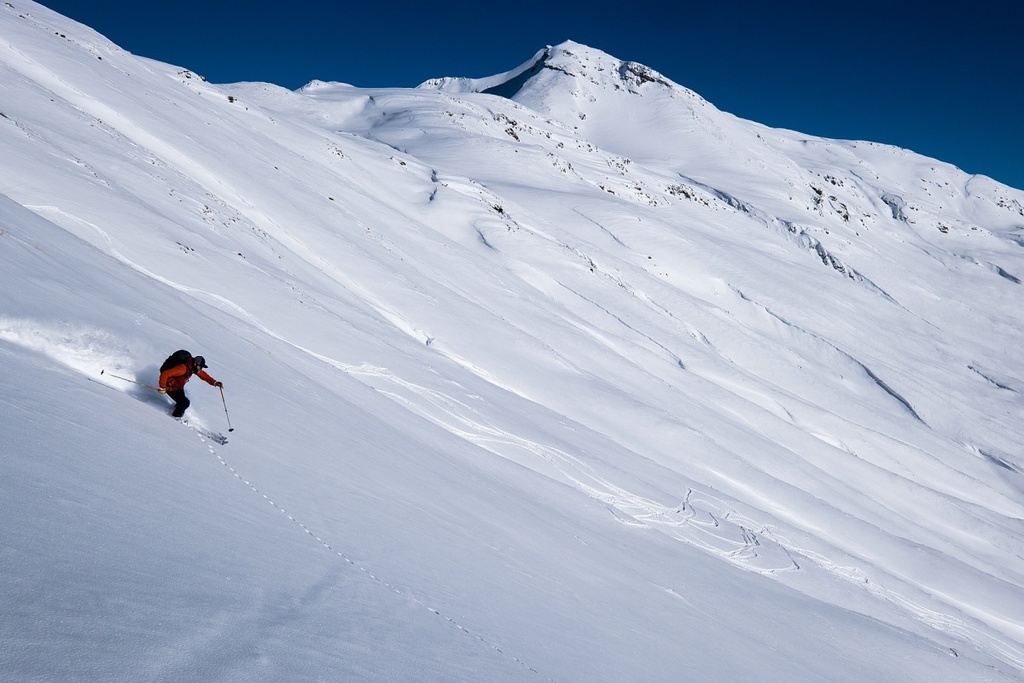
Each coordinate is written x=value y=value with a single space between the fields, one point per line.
x=176 y=372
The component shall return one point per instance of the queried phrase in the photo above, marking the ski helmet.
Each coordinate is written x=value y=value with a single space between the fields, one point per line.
x=199 y=362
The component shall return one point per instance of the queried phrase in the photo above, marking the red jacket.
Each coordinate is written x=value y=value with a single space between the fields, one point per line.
x=175 y=378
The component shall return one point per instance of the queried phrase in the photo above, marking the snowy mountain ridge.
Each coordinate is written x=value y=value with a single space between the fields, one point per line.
x=618 y=385
x=822 y=192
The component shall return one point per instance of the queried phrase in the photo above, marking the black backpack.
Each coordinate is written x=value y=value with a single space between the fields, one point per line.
x=176 y=358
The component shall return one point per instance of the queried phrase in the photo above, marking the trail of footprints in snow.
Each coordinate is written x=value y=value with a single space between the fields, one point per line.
x=364 y=570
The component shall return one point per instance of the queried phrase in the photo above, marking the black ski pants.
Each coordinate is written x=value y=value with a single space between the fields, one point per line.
x=181 y=402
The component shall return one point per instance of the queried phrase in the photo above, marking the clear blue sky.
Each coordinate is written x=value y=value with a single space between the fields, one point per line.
x=943 y=80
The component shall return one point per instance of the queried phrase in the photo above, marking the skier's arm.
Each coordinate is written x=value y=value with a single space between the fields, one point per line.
x=206 y=378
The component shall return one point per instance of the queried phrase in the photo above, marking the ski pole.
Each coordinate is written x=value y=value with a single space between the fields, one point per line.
x=131 y=380
x=230 y=428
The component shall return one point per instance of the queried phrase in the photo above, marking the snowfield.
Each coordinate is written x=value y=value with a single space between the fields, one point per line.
x=562 y=374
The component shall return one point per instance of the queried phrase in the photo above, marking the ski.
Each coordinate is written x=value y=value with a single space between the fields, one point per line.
x=216 y=437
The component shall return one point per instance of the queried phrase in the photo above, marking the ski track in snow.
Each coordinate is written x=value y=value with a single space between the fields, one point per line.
x=331 y=547
x=85 y=350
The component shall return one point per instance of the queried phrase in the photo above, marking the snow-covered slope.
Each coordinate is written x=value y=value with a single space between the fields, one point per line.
x=562 y=374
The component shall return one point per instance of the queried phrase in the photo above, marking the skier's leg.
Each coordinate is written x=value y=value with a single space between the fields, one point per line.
x=181 y=402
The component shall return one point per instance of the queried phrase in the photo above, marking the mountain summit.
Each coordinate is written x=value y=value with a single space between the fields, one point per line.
x=562 y=374
x=570 y=59
x=574 y=83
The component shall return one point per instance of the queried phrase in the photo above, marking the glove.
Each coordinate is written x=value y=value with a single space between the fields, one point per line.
x=162 y=390
x=219 y=384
